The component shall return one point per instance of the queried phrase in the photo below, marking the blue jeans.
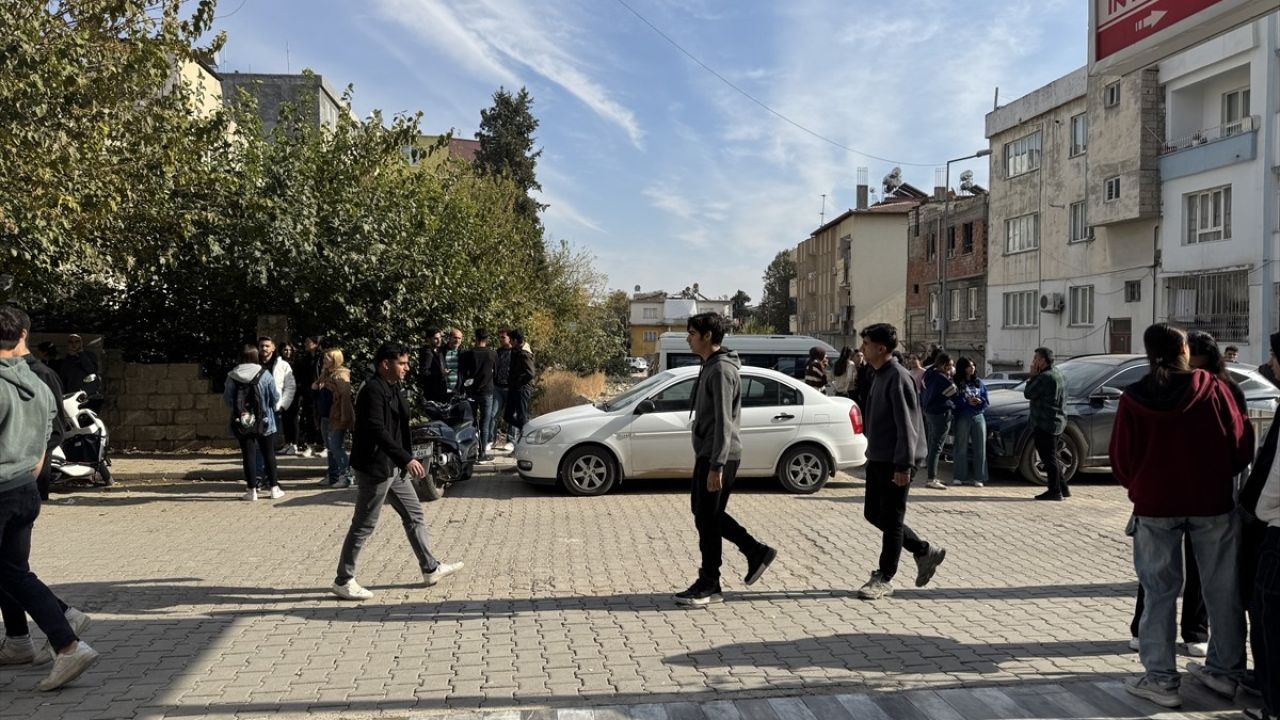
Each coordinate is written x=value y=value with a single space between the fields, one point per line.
x=339 y=462
x=935 y=430
x=971 y=446
x=497 y=403
x=1157 y=557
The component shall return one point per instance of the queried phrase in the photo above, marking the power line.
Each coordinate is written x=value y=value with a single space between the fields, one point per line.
x=761 y=103
x=233 y=12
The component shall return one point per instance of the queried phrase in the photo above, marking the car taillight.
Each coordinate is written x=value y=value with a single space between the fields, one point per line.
x=855 y=419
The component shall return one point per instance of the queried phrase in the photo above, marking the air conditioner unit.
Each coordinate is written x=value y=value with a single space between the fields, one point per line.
x=1052 y=303
x=935 y=323
x=833 y=319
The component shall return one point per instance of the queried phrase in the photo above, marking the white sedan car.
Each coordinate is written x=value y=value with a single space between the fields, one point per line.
x=789 y=430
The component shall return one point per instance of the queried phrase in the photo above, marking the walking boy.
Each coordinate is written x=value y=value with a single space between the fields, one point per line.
x=895 y=450
x=382 y=458
x=717 y=411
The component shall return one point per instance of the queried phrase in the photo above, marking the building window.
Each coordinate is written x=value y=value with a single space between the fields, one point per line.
x=1112 y=96
x=933 y=306
x=1080 y=303
x=966 y=240
x=1132 y=291
x=1111 y=190
x=650 y=336
x=973 y=303
x=1079 y=223
x=933 y=246
x=951 y=241
x=651 y=313
x=1209 y=215
x=1022 y=233
x=1217 y=303
x=1079 y=134
x=1235 y=108
x=1020 y=309
x=1022 y=155
x=956 y=311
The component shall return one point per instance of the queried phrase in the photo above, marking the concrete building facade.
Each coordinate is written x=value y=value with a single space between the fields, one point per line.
x=1074 y=211
x=318 y=103
x=654 y=313
x=956 y=249
x=1219 y=164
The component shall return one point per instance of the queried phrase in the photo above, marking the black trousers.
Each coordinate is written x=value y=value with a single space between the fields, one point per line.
x=885 y=507
x=289 y=419
x=19 y=508
x=250 y=446
x=1195 y=617
x=1266 y=621
x=1047 y=448
x=711 y=518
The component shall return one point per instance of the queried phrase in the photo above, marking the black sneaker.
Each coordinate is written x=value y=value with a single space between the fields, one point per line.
x=700 y=594
x=1066 y=491
x=1050 y=495
x=758 y=564
x=927 y=564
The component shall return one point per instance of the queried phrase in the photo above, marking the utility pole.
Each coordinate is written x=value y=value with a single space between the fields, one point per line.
x=944 y=248
x=822 y=216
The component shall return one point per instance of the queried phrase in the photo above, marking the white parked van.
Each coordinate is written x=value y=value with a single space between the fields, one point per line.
x=784 y=353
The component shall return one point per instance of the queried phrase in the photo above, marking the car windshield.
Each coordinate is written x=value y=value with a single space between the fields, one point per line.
x=637 y=390
x=1081 y=376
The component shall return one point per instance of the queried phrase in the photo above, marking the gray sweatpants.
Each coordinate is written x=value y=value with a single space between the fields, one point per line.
x=372 y=492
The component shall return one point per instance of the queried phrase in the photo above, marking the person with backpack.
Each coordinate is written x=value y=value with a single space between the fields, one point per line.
x=252 y=397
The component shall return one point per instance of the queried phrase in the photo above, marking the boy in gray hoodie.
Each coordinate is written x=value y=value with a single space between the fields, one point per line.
x=717 y=444
x=27 y=408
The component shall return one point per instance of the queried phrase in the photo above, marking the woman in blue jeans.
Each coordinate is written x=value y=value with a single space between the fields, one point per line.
x=935 y=400
x=970 y=403
x=336 y=409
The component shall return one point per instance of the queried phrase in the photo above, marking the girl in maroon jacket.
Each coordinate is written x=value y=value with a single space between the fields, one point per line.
x=1179 y=441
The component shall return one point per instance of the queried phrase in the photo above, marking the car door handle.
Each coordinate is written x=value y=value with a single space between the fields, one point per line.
x=784 y=416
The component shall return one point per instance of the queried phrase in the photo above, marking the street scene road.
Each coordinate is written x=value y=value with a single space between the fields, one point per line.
x=205 y=606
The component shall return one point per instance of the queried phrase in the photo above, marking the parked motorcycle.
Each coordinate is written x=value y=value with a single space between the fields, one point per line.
x=448 y=446
x=83 y=452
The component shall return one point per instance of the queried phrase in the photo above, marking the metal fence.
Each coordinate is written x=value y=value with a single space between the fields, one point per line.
x=1217 y=303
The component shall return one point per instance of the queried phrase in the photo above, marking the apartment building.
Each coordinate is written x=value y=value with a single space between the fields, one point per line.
x=1074 y=212
x=1218 y=165
x=947 y=249
x=849 y=271
x=317 y=102
x=654 y=313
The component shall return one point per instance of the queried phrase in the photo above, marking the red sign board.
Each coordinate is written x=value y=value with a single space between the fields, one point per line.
x=1127 y=22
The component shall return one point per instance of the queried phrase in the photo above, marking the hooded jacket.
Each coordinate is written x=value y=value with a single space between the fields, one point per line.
x=1178 y=448
x=717 y=409
x=268 y=395
x=894 y=422
x=933 y=398
x=27 y=411
x=51 y=380
x=286 y=384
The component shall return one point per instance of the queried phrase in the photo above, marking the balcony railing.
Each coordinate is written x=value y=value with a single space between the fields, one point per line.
x=1213 y=134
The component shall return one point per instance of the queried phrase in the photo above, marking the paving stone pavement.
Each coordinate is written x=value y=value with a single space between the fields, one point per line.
x=206 y=606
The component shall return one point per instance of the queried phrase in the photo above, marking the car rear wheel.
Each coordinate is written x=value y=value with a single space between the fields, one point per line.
x=804 y=469
x=589 y=471
x=1068 y=450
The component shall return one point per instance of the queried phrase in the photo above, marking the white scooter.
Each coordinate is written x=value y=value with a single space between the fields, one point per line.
x=83 y=452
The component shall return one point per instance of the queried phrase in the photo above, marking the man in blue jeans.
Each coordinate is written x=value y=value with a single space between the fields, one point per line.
x=26 y=409
x=935 y=401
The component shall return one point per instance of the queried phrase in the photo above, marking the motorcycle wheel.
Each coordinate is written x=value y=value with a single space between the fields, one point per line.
x=104 y=476
x=428 y=488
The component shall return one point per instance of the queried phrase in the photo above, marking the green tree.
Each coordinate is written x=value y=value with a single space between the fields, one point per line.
x=775 y=306
x=741 y=307
x=507 y=145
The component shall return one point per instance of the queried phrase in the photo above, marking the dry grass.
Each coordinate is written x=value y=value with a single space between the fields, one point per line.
x=562 y=389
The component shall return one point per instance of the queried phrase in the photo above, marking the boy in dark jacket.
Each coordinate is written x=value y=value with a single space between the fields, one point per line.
x=382 y=457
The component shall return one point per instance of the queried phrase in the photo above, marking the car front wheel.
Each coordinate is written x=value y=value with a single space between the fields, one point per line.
x=589 y=471
x=1068 y=451
x=804 y=469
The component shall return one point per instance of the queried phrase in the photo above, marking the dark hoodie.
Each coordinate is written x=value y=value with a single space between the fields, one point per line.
x=1178 y=448
x=27 y=410
x=717 y=409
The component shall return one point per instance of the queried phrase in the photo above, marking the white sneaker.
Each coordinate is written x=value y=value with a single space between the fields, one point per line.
x=78 y=621
x=322 y=454
x=70 y=666
x=956 y=483
x=935 y=484
x=509 y=446
x=276 y=492
x=251 y=495
x=1134 y=644
x=1197 y=649
x=289 y=449
x=306 y=452
x=978 y=484
x=442 y=571
x=488 y=448
x=17 y=651
x=350 y=591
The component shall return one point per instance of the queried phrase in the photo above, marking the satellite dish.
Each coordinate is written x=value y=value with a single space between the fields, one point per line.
x=893 y=180
x=637 y=288
x=966 y=177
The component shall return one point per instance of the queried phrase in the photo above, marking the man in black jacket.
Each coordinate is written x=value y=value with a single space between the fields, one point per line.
x=520 y=388
x=432 y=373
x=382 y=457
x=895 y=450
x=475 y=379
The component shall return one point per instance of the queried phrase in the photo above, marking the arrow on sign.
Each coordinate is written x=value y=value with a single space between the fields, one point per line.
x=1151 y=20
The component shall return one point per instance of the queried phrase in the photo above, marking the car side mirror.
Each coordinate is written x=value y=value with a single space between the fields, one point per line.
x=646 y=406
x=1105 y=393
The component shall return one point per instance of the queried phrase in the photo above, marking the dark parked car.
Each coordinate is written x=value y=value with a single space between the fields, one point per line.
x=1004 y=380
x=1094 y=386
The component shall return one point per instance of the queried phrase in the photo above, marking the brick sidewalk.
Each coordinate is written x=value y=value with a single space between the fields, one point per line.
x=205 y=606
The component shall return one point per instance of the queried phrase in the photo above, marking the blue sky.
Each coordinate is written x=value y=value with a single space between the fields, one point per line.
x=666 y=175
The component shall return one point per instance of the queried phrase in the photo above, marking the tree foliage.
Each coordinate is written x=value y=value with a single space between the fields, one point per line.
x=774 y=310
x=507 y=145
x=741 y=306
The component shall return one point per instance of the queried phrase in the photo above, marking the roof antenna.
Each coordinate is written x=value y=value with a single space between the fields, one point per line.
x=287 y=67
x=822 y=216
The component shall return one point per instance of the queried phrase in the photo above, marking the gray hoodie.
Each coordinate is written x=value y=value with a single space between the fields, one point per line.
x=27 y=410
x=717 y=410
x=894 y=424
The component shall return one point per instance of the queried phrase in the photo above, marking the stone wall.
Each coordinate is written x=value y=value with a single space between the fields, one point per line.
x=164 y=407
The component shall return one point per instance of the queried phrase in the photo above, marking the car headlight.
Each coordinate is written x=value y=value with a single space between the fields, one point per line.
x=541 y=436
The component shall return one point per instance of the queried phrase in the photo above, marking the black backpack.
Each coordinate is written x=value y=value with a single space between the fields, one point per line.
x=247 y=417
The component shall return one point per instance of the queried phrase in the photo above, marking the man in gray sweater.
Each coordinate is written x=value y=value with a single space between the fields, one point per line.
x=895 y=450
x=717 y=444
